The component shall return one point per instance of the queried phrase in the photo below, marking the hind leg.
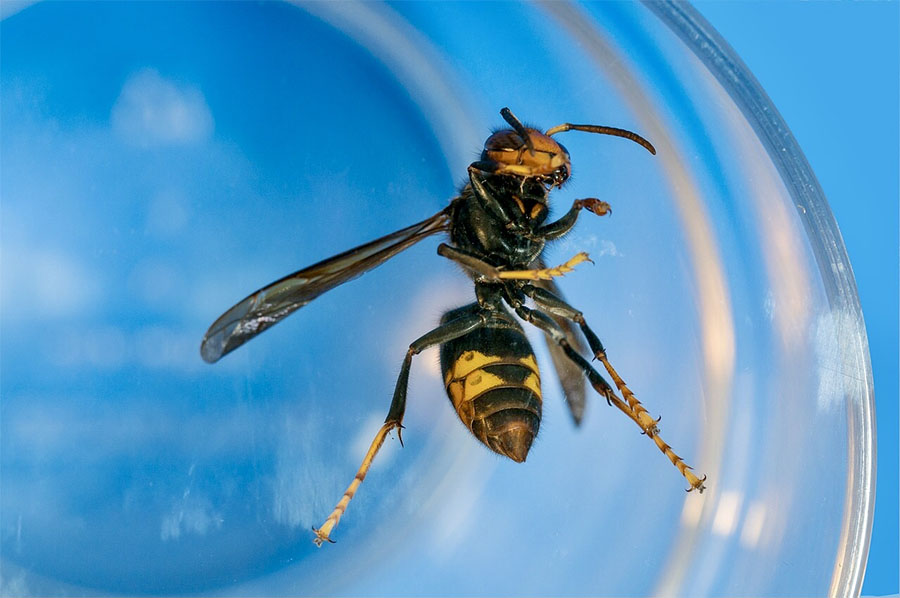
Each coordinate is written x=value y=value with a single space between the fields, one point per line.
x=394 y=420
x=557 y=306
x=633 y=409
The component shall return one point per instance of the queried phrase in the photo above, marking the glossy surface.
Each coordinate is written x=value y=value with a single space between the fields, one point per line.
x=149 y=186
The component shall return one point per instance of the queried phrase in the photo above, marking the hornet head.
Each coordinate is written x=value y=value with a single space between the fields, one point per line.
x=527 y=152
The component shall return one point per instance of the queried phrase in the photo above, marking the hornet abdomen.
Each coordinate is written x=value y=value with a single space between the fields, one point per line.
x=492 y=380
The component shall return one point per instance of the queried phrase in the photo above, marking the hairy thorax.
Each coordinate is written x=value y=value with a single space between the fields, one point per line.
x=501 y=239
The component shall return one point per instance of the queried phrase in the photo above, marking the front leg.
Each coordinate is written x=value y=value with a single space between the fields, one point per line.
x=555 y=230
x=470 y=262
x=488 y=201
x=489 y=273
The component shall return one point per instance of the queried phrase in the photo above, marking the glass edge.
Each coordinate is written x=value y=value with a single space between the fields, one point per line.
x=831 y=256
x=825 y=239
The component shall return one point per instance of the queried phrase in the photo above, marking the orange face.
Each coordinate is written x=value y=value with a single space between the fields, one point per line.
x=550 y=160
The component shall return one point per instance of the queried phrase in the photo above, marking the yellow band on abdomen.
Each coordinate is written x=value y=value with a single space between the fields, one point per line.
x=467 y=379
x=469 y=361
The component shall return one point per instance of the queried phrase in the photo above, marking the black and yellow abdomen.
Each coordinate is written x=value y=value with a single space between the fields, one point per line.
x=493 y=381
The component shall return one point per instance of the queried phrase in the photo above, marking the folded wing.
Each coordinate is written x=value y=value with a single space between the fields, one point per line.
x=571 y=377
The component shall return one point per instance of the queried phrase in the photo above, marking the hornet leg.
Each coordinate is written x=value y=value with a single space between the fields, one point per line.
x=633 y=408
x=476 y=177
x=492 y=274
x=555 y=230
x=557 y=306
x=557 y=335
x=394 y=420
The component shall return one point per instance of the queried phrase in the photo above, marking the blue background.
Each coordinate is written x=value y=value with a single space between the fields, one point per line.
x=831 y=69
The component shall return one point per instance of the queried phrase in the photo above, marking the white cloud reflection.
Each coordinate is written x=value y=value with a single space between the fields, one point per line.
x=42 y=283
x=192 y=515
x=833 y=331
x=303 y=486
x=753 y=524
x=153 y=111
x=112 y=347
x=167 y=214
x=727 y=513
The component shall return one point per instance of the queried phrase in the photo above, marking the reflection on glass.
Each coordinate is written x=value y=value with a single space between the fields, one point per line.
x=147 y=186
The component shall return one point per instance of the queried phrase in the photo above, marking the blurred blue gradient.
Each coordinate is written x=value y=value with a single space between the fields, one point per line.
x=831 y=70
x=161 y=161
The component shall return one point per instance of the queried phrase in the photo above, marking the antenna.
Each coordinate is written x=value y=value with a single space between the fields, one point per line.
x=514 y=122
x=603 y=131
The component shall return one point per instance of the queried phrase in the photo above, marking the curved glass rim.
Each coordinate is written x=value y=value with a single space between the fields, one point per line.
x=834 y=264
x=831 y=256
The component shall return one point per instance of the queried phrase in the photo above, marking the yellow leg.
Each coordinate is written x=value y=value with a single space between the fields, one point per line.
x=642 y=418
x=322 y=533
x=647 y=423
x=546 y=273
